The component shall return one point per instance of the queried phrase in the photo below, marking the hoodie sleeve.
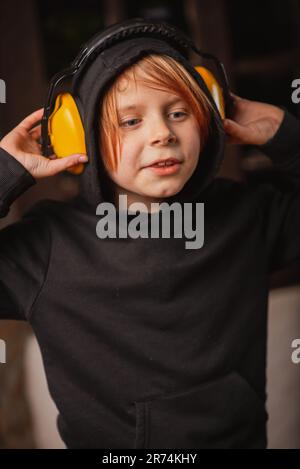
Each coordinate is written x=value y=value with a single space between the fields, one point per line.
x=279 y=203
x=24 y=245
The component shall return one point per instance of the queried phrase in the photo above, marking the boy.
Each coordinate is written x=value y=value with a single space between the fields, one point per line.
x=147 y=344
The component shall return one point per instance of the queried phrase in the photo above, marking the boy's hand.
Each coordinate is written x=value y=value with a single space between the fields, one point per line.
x=253 y=122
x=22 y=144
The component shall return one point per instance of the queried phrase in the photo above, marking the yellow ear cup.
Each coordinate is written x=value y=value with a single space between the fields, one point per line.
x=66 y=130
x=214 y=88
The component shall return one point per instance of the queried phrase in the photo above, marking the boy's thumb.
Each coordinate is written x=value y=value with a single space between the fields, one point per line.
x=61 y=164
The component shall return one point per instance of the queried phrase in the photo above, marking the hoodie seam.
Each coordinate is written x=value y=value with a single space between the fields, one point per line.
x=39 y=292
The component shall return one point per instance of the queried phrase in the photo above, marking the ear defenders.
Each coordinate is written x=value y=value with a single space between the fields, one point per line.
x=62 y=128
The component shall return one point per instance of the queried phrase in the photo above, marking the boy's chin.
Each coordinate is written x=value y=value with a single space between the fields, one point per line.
x=170 y=192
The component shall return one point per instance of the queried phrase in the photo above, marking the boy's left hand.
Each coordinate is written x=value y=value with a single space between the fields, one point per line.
x=253 y=122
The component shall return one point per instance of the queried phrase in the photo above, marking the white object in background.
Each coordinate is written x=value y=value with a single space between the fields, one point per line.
x=43 y=410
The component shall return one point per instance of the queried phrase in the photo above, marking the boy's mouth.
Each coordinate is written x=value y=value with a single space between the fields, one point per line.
x=165 y=167
x=164 y=163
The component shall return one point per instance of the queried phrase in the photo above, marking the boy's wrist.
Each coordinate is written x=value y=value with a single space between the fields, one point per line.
x=15 y=180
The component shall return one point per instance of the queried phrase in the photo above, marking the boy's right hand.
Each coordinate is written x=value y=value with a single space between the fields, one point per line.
x=23 y=144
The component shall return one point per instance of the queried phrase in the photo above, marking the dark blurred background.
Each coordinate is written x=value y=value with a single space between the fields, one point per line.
x=259 y=44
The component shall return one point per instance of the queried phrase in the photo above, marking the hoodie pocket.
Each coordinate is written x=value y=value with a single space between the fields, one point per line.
x=226 y=413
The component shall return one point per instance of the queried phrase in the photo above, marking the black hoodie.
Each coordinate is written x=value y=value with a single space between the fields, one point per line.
x=147 y=344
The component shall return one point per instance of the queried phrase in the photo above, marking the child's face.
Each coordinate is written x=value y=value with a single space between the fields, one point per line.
x=156 y=129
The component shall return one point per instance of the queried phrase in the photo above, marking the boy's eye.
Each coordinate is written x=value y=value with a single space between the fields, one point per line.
x=178 y=112
x=124 y=124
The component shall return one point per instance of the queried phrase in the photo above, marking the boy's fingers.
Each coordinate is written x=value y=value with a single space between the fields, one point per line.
x=238 y=99
x=36 y=127
x=58 y=165
x=32 y=119
x=233 y=130
x=238 y=132
x=36 y=132
x=239 y=103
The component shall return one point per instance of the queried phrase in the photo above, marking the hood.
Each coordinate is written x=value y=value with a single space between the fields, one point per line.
x=88 y=88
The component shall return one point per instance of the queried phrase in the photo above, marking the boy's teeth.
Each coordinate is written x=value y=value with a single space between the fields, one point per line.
x=168 y=163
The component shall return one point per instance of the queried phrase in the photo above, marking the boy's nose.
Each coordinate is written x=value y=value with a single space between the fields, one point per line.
x=162 y=135
x=164 y=139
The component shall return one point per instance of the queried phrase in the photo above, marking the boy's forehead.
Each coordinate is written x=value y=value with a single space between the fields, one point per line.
x=132 y=104
x=136 y=97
